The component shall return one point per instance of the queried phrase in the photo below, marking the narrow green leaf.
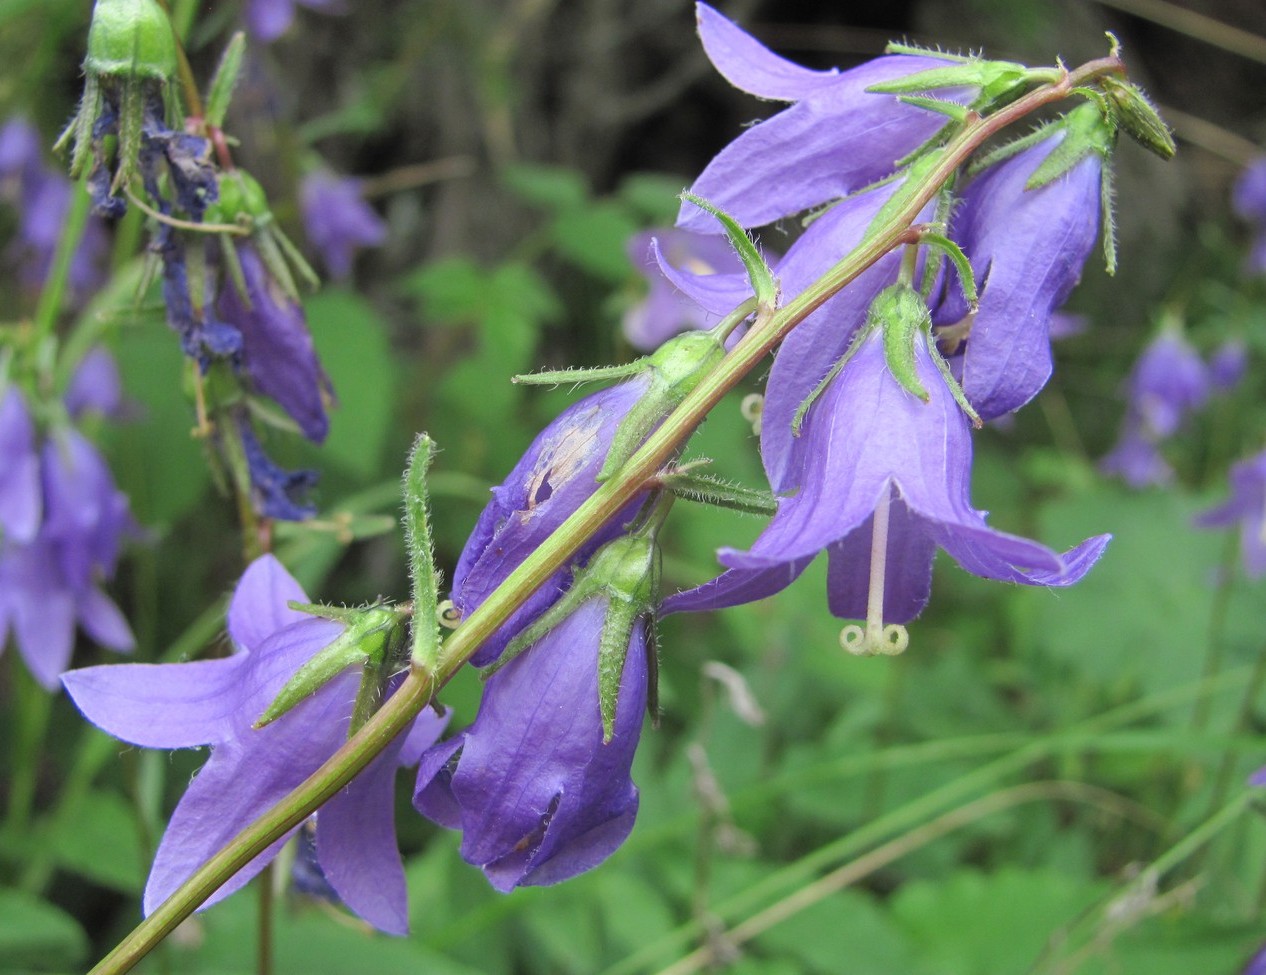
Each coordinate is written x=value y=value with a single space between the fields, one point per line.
x=952 y=110
x=902 y=314
x=220 y=92
x=758 y=272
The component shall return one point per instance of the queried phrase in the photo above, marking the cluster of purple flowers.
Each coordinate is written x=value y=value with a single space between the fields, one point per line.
x=1169 y=382
x=41 y=196
x=62 y=523
x=874 y=475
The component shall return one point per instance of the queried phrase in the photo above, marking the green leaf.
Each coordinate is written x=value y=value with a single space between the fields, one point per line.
x=593 y=238
x=98 y=839
x=707 y=489
x=220 y=92
x=758 y=272
x=849 y=926
x=35 y=934
x=352 y=338
x=547 y=187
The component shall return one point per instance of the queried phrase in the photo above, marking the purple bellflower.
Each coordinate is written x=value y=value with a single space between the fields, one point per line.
x=884 y=481
x=1027 y=248
x=1227 y=365
x=62 y=525
x=553 y=478
x=1247 y=508
x=216 y=702
x=538 y=796
x=277 y=352
x=338 y=220
x=835 y=139
x=1249 y=201
x=666 y=255
x=1168 y=381
x=269 y=19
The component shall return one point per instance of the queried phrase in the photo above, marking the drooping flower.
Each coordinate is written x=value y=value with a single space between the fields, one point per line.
x=216 y=702
x=277 y=352
x=62 y=525
x=1249 y=200
x=337 y=219
x=1168 y=382
x=883 y=482
x=706 y=259
x=1027 y=248
x=1247 y=508
x=538 y=796
x=835 y=139
x=556 y=474
x=276 y=492
x=269 y=19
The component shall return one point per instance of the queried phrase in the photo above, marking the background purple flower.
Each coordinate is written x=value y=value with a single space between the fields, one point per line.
x=337 y=219
x=269 y=19
x=537 y=795
x=1249 y=201
x=215 y=702
x=1247 y=508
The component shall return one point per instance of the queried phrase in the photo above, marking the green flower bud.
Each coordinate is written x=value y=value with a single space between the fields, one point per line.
x=130 y=39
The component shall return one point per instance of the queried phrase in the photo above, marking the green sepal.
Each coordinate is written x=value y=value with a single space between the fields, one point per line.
x=130 y=39
x=966 y=277
x=902 y=314
x=955 y=388
x=762 y=278
x=1139 y=118
x=708 y=489
x=1086 y=131
x=952 y=110
x=1107 y=209
x=425 y=647
x=675 y=368
x=229 y=258
x=918 y=50
x=577 y=375
x=366 y=639
x=220 y=92
x=625 y=572
x=79 y=132
x=995 y=79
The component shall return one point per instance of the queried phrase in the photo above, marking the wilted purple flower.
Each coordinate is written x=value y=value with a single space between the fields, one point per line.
x=536 y=793
x=277 y=352
x=880 y=500
x=704 y=259
x=216 y=702
x=1247 y=507
x=553 y=478
x=1249 y=200
x=835 y=139
x=1227 y=365
x=277 y=492
x=269 y=19
x=1027 y=248
x=337 y=219
x=62 y=523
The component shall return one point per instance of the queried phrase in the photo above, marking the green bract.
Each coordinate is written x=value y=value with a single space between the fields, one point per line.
x=131 y=39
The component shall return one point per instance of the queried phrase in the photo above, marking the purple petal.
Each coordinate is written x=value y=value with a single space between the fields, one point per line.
x=907 y=568
x=750 y=66
x=735 y=587
x=717 y=293
x=21 y=497
x=104 y=622
x=95 y=386
x=269 y=19
x=844 y=138
x=258 y=608
x=159 y=705
x=338 y=220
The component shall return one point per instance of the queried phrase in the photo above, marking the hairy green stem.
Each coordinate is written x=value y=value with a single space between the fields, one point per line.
x=611 y=497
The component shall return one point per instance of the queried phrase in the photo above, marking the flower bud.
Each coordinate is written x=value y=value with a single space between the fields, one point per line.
x=130 y=39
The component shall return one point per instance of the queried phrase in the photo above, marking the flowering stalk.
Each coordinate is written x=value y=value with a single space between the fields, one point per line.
x=893 y=227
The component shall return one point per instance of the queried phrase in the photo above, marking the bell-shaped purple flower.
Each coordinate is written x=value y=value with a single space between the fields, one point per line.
x=536 y=793
x=1247 y=508
x=21 y=499
x=277 y=350
x=1227 y=365
x=269 y=19
x=1137 y=460
x=884 y=483
x=553 y=478
x=665 y=256
x=1027 y=248
x=836 y=138
x=96 y=387
x=216 y=702
x=338 y=221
